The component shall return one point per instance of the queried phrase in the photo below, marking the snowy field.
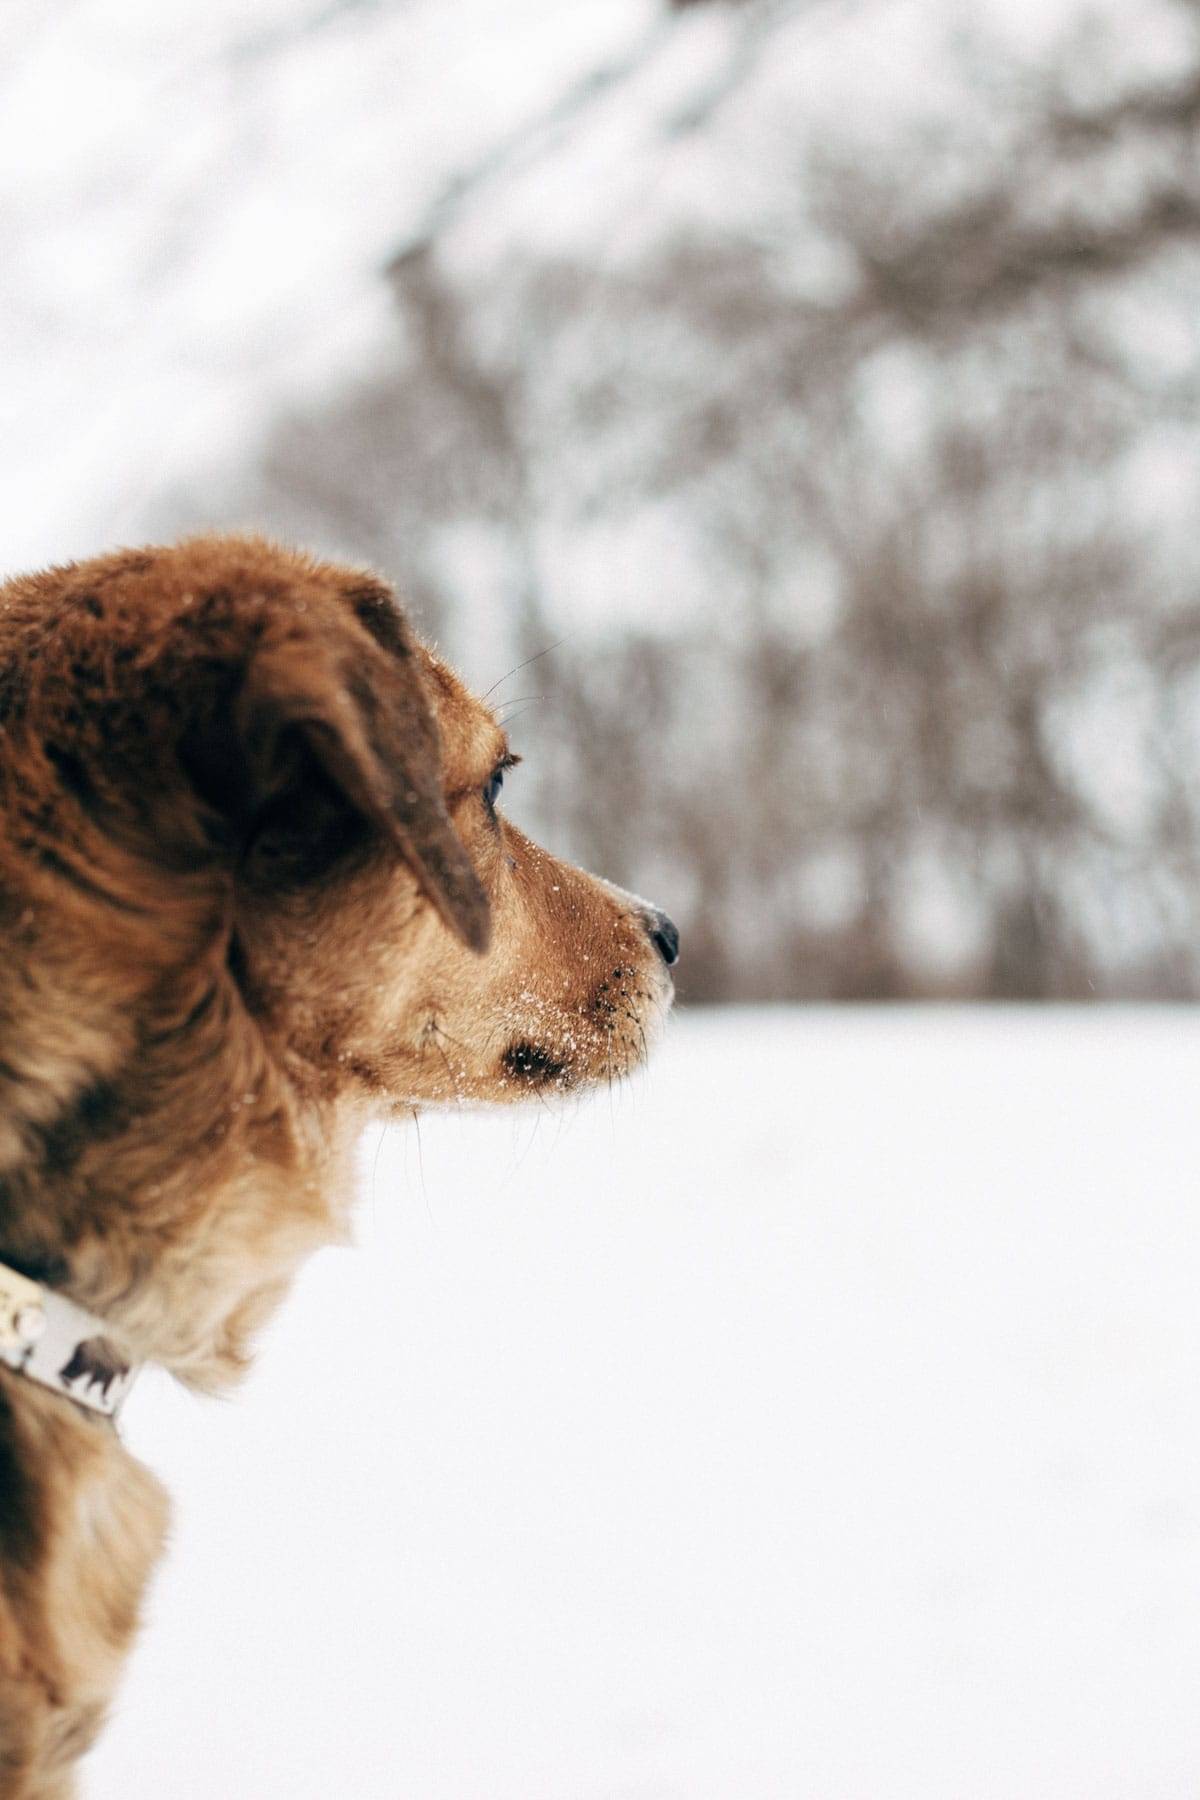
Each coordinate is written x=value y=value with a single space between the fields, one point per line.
x=817 y=1416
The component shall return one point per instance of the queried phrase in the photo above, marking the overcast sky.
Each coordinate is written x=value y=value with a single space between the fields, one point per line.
x=197 y=210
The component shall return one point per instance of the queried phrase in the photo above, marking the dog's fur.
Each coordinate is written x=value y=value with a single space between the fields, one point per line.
x=252 y=889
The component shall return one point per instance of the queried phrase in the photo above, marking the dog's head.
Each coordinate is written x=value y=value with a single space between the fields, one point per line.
x=255 y=882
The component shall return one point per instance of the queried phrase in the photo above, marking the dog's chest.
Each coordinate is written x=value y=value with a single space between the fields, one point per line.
x=92 y=1524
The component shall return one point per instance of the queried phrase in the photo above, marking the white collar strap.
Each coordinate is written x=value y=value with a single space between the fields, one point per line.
x=47 y=1337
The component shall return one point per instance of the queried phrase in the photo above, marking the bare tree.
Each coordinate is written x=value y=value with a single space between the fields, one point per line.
x=876 y=754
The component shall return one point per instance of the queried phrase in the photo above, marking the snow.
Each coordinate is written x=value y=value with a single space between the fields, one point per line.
x=814 y=1416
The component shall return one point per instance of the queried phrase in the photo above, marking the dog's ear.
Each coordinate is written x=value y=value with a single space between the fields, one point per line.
x=326 y=722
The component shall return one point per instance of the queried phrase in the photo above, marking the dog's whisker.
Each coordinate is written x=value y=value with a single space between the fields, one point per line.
x=421 y=1169
x=375 y=1163
x=520 y=700
x=523 y=665
x=508 y=710
x=510 y=718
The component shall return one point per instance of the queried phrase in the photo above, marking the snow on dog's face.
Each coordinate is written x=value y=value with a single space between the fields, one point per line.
x=511 y=974
x=254 y=884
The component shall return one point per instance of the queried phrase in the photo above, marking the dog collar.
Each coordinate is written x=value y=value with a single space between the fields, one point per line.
x=47 y=1337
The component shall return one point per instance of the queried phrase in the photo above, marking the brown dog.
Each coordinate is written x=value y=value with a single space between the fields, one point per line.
x=253 y=888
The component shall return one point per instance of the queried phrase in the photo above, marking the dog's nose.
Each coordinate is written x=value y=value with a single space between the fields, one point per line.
x=664 y=935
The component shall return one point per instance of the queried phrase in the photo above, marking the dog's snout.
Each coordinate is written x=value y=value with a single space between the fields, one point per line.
x=664 y=935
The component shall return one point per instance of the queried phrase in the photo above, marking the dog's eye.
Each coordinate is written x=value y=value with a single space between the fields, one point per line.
x=495 y=780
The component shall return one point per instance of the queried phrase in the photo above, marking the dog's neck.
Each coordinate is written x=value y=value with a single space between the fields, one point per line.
x=181 y=1237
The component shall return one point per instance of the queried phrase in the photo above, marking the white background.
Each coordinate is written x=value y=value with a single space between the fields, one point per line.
x=815 y=1416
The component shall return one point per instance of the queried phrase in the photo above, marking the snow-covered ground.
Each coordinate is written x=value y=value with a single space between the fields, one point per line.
x=817 y=1416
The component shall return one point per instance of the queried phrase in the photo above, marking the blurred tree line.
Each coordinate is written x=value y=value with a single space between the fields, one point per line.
x=894 y=472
